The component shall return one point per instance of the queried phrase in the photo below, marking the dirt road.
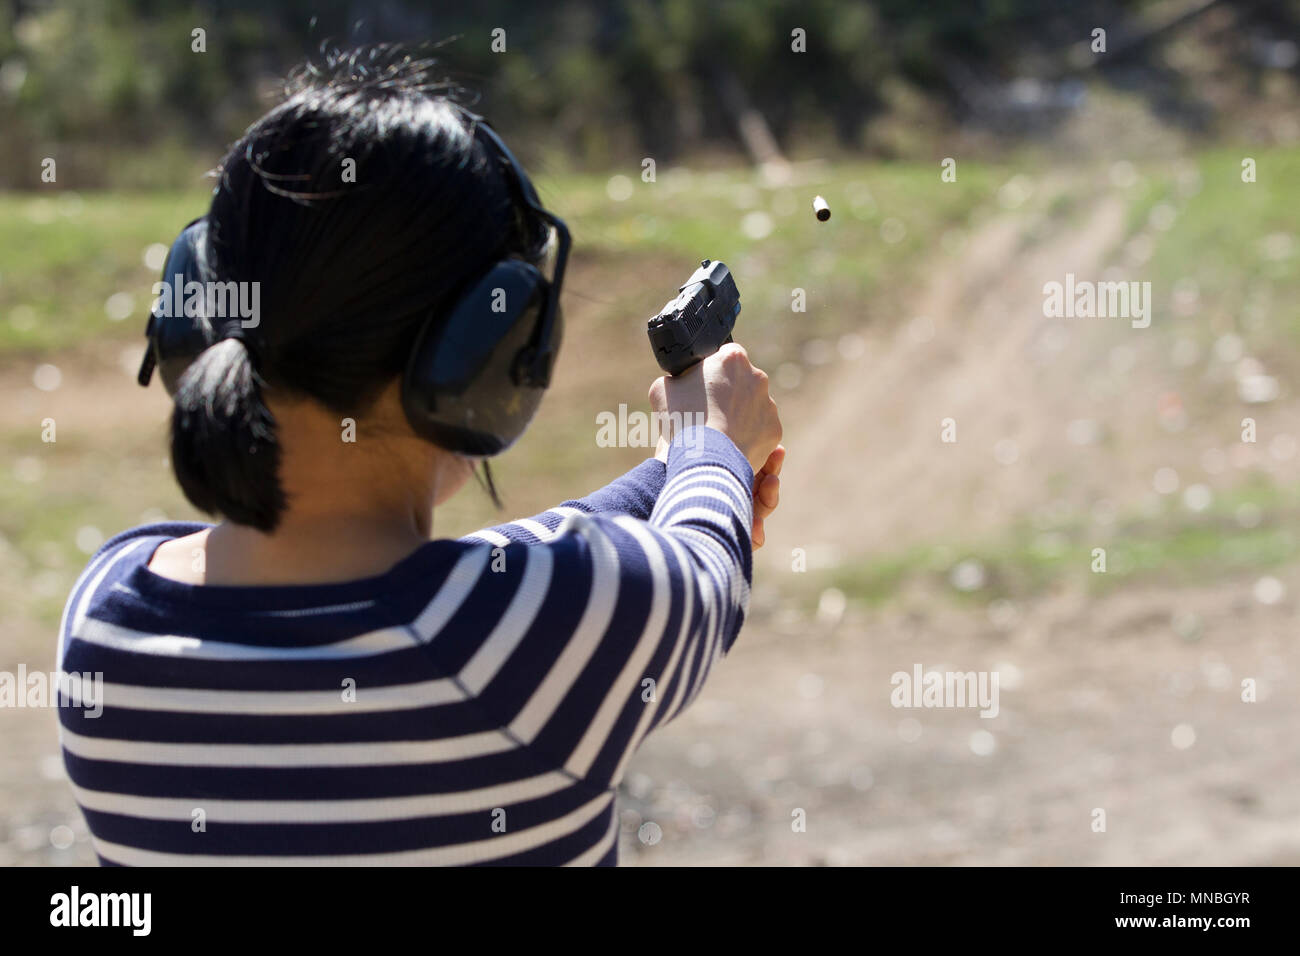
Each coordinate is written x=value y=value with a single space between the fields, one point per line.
x=1123 y=710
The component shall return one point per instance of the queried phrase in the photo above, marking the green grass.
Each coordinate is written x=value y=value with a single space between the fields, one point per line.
x=1219 y=240
x=63 y=255
x=1174 y=546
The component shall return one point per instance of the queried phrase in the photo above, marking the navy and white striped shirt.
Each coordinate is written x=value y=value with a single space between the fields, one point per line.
x=476 y=704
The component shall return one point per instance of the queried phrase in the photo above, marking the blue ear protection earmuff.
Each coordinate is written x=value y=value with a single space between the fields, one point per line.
x=475 y=380
x=176 y=339
x=476 y=374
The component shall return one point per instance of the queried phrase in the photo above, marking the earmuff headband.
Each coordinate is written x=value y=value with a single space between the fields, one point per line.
x=534 y=365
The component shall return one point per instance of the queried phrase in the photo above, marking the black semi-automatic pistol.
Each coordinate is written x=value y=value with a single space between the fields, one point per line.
x=698 y=321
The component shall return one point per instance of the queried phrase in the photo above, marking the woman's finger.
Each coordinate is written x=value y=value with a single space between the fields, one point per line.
x=768 y=493
x=771 y=467
x=774 y=462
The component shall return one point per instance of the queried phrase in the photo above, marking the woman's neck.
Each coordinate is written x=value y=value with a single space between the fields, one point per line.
x=231 y=555
x=353 y=509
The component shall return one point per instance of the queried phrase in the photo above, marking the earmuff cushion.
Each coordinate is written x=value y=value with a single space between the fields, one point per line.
x=459 y=390
x=177 y=338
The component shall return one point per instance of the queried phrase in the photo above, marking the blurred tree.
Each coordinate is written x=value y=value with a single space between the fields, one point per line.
x=115 y=89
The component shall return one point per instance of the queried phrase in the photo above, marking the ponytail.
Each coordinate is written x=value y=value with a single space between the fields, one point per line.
x=224 y=449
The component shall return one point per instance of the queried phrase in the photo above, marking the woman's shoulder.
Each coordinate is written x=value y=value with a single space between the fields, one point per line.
x=133 y=540
x=155 y=529
x=115 y=559
x=125 y=550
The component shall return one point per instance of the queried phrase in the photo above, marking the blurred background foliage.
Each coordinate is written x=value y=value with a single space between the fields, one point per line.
x=593 y=83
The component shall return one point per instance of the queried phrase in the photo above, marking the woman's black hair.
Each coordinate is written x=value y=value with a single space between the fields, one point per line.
x=349 y=266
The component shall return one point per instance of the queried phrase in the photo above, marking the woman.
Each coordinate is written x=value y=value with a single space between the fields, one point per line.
x=314 y=680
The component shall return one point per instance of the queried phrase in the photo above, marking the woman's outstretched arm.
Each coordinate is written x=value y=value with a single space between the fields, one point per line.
x=620 y=620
